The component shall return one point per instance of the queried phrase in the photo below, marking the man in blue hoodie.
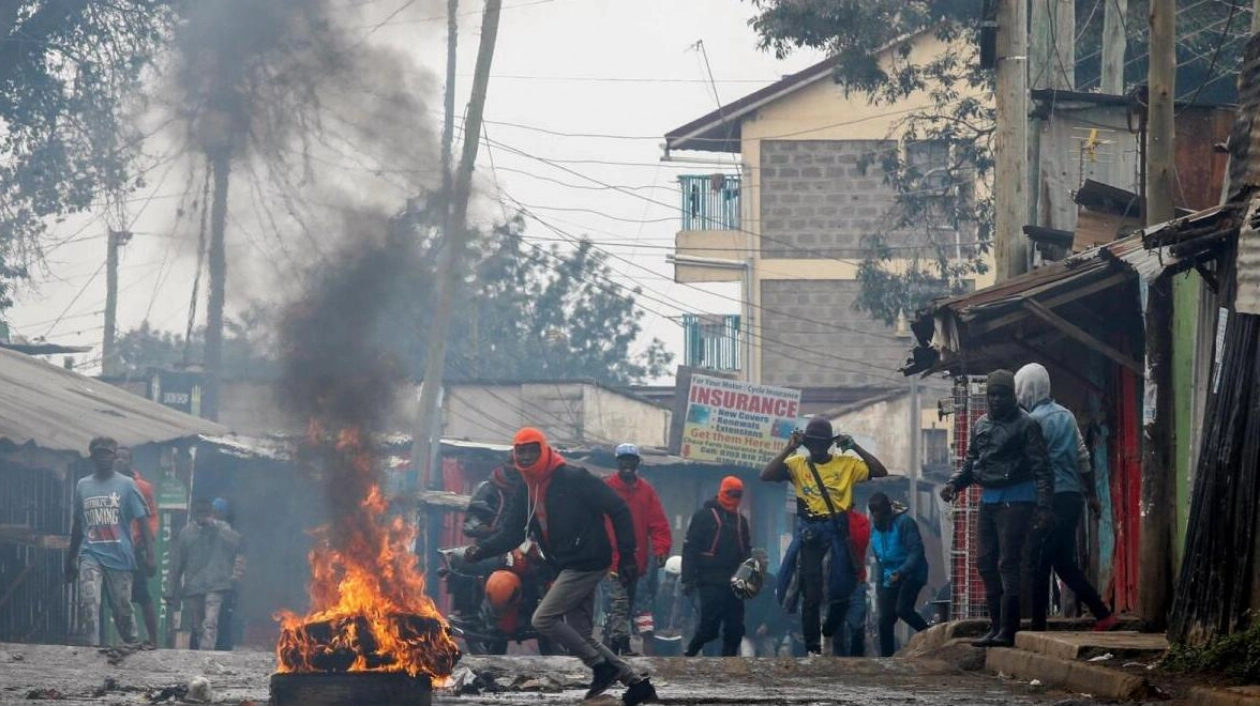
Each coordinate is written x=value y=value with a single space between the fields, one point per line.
x=903 y=569
x=1073 y=487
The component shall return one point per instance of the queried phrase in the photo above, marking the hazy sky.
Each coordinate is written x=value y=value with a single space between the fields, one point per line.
x=610 y=76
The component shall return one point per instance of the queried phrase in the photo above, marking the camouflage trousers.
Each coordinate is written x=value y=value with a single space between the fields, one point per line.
x=619 y=612
x=98 y=584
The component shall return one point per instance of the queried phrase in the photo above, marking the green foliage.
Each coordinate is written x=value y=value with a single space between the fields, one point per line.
x=248 y=351
x=528 y=313
x=940 y=226
x=69 y=71
x=547 y=313
x=1236 y=656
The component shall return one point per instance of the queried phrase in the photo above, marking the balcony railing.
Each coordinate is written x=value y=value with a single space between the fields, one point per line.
x=710 y=202
x=711 y=341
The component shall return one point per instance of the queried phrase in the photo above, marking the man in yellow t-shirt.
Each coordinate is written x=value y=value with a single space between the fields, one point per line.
x=820 y=531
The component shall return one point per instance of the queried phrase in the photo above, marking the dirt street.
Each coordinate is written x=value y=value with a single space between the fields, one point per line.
x=35 y=674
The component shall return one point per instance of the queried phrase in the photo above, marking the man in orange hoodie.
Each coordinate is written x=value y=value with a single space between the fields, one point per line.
x=564 y=509
x=651 y=539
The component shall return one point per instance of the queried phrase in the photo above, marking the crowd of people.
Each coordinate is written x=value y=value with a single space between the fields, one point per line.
x=610 y=537
x=112 y=556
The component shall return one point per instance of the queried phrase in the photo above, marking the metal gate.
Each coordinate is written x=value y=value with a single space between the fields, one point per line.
x=967 y=597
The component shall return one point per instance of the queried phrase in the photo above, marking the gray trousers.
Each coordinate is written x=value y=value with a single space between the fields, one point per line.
x=566 y=615
x=97 y=583
x=205 y=609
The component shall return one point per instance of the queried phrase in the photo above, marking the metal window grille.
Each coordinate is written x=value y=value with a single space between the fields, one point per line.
x=710 y=202
x=711 y=341
x=967 y=595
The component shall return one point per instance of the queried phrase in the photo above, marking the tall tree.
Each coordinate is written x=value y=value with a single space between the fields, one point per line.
x=531 y=313
x=942 y=204
x=69 y=70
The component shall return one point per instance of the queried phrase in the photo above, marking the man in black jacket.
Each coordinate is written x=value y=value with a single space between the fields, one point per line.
x=489 y=500
x=1007 y=457
x=563 y=508
x=718 y=540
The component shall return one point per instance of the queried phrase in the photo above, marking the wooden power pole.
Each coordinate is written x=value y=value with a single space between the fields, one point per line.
x=216 y=261
x=455 y=243
x=1114 y=40
x=1010 y=189
x=1155 y=570
x=1053 y=44
x=109 y=349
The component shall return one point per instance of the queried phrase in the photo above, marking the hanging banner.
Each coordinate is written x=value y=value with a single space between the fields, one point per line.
x=733 y=422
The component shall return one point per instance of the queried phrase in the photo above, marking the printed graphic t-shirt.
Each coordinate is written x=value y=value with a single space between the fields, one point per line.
x=106 y=509
x=839 y=475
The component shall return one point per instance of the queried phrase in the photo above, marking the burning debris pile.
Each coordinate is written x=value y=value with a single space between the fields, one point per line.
x=369 y=612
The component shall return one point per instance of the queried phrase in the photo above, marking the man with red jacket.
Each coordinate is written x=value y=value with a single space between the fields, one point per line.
x=651 y=539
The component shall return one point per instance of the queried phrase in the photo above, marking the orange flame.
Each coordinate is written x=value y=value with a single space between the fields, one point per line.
x=369 y=611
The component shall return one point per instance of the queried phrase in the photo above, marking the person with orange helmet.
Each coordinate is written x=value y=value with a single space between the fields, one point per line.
x=564 y=508
x=718 y=541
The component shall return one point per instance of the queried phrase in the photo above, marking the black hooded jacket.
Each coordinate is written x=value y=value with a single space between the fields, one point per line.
x=576 y=538
x=717 y=542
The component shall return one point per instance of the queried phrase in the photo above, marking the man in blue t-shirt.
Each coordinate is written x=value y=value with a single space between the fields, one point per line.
x=1006 y=457
x=105 y=504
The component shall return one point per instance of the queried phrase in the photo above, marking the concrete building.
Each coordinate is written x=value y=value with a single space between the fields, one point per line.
x=792 y=224
x=570 y=413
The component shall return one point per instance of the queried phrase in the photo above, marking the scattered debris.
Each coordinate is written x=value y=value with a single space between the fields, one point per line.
x=117 y=654
x=541 y=684
x=108 y=686
x=465 y=682
x=199 y=690
x=1135 y=664
x=174 y=693
x=214 y=667
x=46 y=694
x=1101 y=658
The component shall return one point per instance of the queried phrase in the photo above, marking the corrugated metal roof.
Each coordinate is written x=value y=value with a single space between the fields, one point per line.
x=942 y=328
x=56 y=409
x=1247 y=272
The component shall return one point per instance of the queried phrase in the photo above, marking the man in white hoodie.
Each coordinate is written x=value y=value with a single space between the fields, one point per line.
x=1073 y=486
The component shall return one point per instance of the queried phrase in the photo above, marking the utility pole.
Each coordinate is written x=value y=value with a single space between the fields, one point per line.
x=1113 y=46
x=1155 y=570
x=450 y=271
x=109 y=352
x=448 y=128
x=1053 y=45
x=916 y=440
x=1010 y=190
x=221 y=167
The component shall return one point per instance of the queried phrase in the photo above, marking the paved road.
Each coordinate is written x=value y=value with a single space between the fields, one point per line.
x=31 y=674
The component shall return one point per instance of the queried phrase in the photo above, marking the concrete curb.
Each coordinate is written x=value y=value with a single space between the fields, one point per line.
x=1203 y=695
x=1066 y=674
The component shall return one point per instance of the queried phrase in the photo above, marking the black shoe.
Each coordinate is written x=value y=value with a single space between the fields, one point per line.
x=986 y=641
x=640 y=693
x=605 y=674
x=1004 y=639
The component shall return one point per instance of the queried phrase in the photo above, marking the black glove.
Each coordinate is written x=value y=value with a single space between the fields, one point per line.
x=628 y=572
x=472 y=554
